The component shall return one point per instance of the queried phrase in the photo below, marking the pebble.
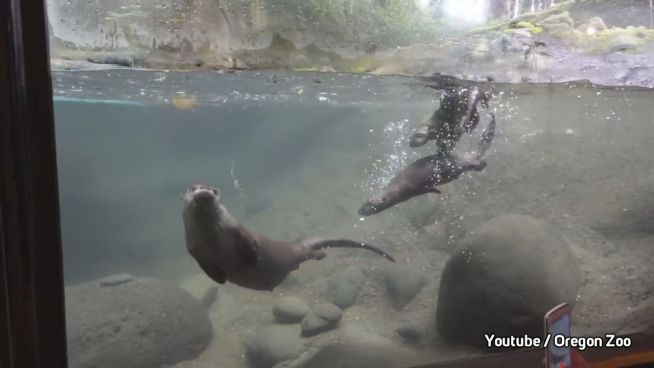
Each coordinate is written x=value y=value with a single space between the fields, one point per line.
x=289 y=310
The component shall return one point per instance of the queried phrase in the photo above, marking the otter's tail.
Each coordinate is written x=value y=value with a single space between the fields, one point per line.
x=319 y=244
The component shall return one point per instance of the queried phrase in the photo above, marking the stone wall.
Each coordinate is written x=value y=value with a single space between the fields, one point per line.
x=186 y=31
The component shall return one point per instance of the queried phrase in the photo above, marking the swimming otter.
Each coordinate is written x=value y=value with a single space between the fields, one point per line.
x=227 y=251
x=457 y=114
x=423 y=175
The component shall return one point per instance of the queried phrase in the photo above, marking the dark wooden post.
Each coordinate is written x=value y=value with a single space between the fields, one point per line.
x=32 y=324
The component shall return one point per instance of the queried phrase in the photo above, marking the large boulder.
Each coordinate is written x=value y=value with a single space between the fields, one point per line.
x=507 y=274
x=625 y=213
x=125 y=321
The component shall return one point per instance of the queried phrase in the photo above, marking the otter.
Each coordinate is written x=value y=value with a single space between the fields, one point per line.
x=423 y=175
x=457 y=114
x=227 y=251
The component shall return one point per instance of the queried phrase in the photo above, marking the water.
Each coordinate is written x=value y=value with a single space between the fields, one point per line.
x=295 y=155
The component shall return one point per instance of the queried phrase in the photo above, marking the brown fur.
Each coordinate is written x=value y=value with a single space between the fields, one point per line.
x=227 y=251
x=423 y=175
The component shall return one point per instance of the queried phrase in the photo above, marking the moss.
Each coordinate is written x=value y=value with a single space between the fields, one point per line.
x=530 y=21
x=521 y=24
x=559 y=18
x=309 y=69
x=494 y=25
x=538 y=17
x=611 y=40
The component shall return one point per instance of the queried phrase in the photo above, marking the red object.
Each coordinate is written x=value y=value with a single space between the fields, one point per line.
x=578 y=360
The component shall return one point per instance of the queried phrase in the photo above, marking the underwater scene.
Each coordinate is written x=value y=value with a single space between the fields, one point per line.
x=298 y=219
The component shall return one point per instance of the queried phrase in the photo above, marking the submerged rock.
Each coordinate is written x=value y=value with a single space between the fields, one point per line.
x=329 y=312
x=403 y=284
x=290 y=310
x=142 y=322
x=273 y=344
x=343 y=288
x=113 y=280
x=629 y=212
x=412 y=331
x=507 y=274
x=323 y=318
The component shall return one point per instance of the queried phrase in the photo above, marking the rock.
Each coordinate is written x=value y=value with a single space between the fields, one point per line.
x=343 y=288
x=625 y=213
x=619 y=58
x=592 y=26
x=329 y=312
x=403 y=283
x=559 y=18
x=624 y=42
x=126 y=60
x=413 y=331
x=521 y=32
x=508 y=273
x=290 y=282
x=202 y=288
x=273 y=344
x=522 y=24
x=323 y=318
x=290 y=310
x=558 y=29
x=313 y=325
x=121 y=278
x=143 y=322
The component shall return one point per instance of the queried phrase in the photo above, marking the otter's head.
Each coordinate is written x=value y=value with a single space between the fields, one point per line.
x=377 y=204
x=202 y=197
